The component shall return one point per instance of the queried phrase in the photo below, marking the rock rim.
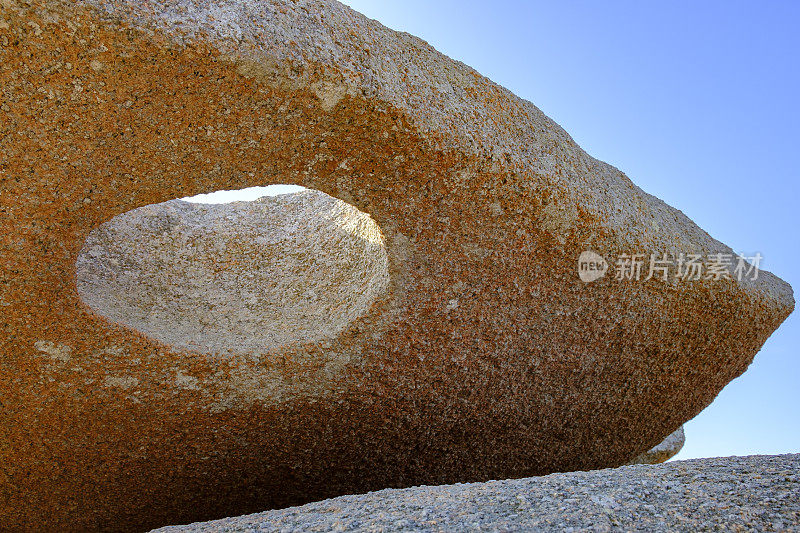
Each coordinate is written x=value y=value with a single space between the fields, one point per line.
x=664 y=450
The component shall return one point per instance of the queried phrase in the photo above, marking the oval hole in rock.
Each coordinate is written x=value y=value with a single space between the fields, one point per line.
x=215 y=274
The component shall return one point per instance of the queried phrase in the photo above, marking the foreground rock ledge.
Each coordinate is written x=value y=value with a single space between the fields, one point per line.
x=485 y=357
x=755 y=493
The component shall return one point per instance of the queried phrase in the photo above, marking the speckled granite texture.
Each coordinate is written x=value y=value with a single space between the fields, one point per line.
x=755 y=493
x=244 y=277
x=484 y=357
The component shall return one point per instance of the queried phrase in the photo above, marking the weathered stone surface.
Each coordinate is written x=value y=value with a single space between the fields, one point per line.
x=662 y=451
x=484 y=357
x=755 y=493
x=244 y=277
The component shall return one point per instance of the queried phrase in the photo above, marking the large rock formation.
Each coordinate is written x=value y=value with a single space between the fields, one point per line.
x=484 y=355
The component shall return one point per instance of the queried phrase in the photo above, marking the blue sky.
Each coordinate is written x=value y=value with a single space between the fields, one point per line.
x=698 y=103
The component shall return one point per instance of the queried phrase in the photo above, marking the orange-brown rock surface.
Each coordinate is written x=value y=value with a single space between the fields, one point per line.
x=484 y=356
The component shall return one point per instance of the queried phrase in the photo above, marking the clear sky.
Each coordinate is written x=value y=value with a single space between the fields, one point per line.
x=698 y=103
